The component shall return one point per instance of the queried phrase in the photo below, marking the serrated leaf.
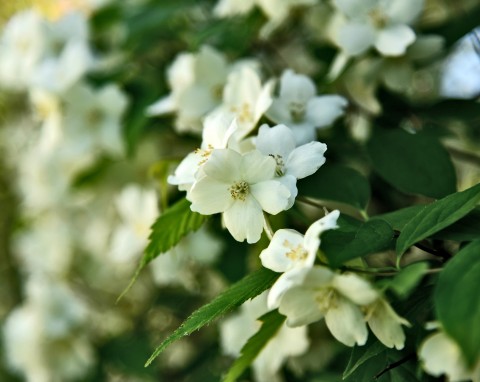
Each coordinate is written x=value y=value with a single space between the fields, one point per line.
x=249 y=287
x=456 y=301
x=371 y=237
x=271 y=323
x=437 y=216
x=170 y=227
x=412 y=163
x=337 y=183
x=403 y=283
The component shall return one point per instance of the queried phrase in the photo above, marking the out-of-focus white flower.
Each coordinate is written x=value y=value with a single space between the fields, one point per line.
x=292 y=162
x=382 y=24
x=21 y=48
x=217 y=131
x=45 y=338
x=301 y=109
x=439 y=355
x=288 y=342
x=196 y=82
x=317 y=292
x=178 y=266
x=138 y=210
x=92 y=119
x=67 y=55
x=239 y=186
x=246 y=99
x=276 y=10
x=290 y=250
x=386 y=324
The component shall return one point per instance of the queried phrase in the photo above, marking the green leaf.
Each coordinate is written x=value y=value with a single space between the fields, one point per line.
x=403 y=283
x=337 y=183
x=398 y=219
x=360 y=355
x=412 y=163
x=456 y=301
x=371 y=237
x=271 y=323
x=170 y=227
x=465 y=229
x=249 y=287
x=437 y=216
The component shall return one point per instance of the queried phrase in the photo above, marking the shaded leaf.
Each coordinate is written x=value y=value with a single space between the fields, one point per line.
x=271 y=323
x=465 y=229
x=412 y=163
x=456 y=301
x=337 y=183
x=249 y=287
x=403 y=283
x=437 y=216
x=371 y=237
x=398 y=219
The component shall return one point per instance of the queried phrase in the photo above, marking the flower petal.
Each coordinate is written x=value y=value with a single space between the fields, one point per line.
x=306 y=159
x=312 y=236
x=277 y=256
x=257 y=167
x=394 y=40
x=210 y=196
x=355 y=288
x=356 y=37
x=272 y=195
x=323 y=111
x=300 y=307
x=244 y=220
x=346 y=323
x=223 y=165
x=277 y=140
x=296 y=88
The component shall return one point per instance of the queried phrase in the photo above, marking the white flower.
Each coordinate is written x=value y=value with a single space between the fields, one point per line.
x=276 y=10
x=239 y=186
x=21 y=48
x=439 y=355
x=386 y=324
x=379 y=23
x=317 y=292
x=138 y=210
x=301 y=109
x=292 y=162
x=246 y=99
x=287 y=342
x=196 y=81
x=92 y=120
x=217 y=131
x=289 y=250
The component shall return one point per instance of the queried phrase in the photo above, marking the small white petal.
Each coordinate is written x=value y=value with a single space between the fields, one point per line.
x=355 y=288
x=306 y=159
x=296 y=88
x=312 y=236
x=394 y=40
x=276 y=256
x=223 y=165
x=278 y=112
x=257 y=167
x=300 y=307
x=404 y=11
x=346 y=323
x=210 y=196
x=244 y=220
x=324 y=110
x=272 y=195
x=355 y=8
x=278 y=140
x=356 y=37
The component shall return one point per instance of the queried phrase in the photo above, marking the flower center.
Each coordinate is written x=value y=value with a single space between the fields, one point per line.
x=280 y=168
x=239 y=190
x=297 y=253
x=379 y=19
x=297 y=111
x=204 y=153
x=326 y=298
x=244 y=114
